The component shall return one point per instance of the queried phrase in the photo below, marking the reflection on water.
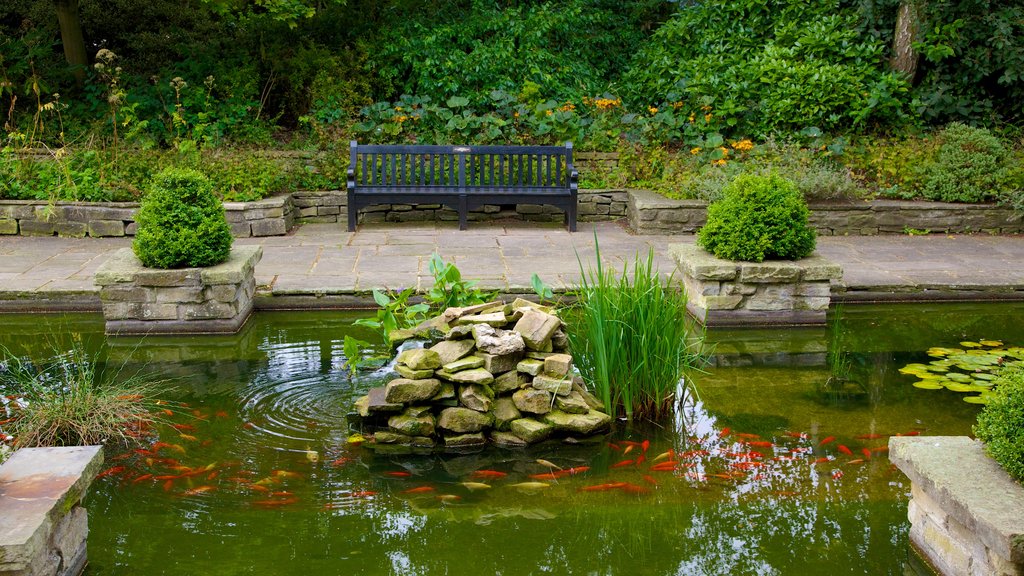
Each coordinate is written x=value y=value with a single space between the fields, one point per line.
x=769 y=469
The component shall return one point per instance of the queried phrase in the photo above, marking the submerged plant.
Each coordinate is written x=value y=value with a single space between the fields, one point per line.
x=68 y=400
x=630 y=338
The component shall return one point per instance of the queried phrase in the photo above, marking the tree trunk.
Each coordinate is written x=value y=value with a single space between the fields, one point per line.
x=908 y=26
x=71 y=37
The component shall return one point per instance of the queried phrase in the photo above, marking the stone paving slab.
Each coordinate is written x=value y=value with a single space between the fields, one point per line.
x=41 y=273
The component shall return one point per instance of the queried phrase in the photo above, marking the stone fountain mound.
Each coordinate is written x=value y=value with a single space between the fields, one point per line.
x=493 y=373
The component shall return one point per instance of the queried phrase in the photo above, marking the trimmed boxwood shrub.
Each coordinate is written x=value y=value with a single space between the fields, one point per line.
x=1001 y=423
x=971 y=166
x=758 y=218
x=181 y=223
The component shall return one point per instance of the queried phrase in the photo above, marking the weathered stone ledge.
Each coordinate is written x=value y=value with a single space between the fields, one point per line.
x=652 y=213
x=44 y=527
x=966 y=513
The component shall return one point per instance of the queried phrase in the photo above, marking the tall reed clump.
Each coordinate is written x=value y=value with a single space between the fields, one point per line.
x=68 y=400
x=630 y=339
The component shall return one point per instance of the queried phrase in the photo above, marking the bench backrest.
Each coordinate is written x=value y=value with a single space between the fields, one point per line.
x=461 y=167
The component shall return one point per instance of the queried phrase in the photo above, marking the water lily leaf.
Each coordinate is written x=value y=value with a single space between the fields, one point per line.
x=976 y=399
x=928 y=385
x=991 y=343
x=970 y=344
x=958 y=377
x=984 y=376
x=958 y=387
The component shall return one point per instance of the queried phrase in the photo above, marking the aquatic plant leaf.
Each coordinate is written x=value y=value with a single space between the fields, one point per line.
x=990 y=343
x=958 y=387
x=970 y=344
x=958 y=377
x=928 y=385
x=976 y=399
x=984 y=376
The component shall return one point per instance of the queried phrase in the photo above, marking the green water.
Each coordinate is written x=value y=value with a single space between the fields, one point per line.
x=264 y=403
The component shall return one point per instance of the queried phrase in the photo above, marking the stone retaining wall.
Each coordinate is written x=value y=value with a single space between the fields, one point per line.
x=140 y=300
x=966 y=513
x=652 y=213
x=43 y=526
x=272 y=216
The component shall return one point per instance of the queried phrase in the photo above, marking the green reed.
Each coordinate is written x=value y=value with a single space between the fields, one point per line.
x=69 y=400
x=630 y=337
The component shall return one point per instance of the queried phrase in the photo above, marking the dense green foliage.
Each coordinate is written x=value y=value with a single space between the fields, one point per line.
x=758 y=218
x=971 y=166
x=1001 y=423
x=630 y=337
x=181 y=223
x=755 y=66
x=69 y=400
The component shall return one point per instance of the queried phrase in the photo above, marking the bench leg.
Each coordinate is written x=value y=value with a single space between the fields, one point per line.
x=570 y=217
x=353 y=217
x=463 y=212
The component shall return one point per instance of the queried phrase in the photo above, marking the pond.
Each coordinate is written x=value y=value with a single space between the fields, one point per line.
x=782 y=465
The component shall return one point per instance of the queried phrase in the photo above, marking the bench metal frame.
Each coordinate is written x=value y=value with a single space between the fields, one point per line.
x=461 y=177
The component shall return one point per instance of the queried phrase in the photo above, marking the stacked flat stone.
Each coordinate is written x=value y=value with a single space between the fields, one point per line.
x=497 y=373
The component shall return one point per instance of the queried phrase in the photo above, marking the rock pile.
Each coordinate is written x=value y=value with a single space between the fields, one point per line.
x=498 y=372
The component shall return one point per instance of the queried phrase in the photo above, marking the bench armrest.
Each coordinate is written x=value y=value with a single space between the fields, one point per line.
x=574 y=176
x=350 y=178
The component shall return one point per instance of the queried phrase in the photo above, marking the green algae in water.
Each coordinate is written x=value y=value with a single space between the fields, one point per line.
x=965 y=370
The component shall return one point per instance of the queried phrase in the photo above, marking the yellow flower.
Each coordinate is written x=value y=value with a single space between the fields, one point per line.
x=706 y=108
x=743 y=145
x=725 y=151
x=707 y=117
x=691 y=118
x=652 y=110
x=515 y=114
x=695 y=150
x=720 y=162
x=550 y=112
x=677 y=105
x=398 y=108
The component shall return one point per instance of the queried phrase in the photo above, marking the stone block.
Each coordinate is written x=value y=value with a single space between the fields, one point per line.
x=8 y=226
x=452 y=350
x=509 y=382
x=585 y=424
x=505 y=411
x=132 y=227
x=530 y=366
x=772 y=297
x=184 y=294
x=37 y=228
x=126 y=293
x=530 y=430
x=105 y=228
x=463 y=420
x=403 y=391
x=536 y=328
x=222 y=292
x=769 y=272
x=533 y=401
x=420 y=359
x=210 y=310
x=730 y=302
x=559 y=365
x=499 y=363
x=559 y=386
x=269 y=227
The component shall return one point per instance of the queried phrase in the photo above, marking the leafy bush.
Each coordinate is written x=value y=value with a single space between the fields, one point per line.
x=181 y=223
x=1001 y=423
x=758 y=217
x=630 y=337
x=971 y=166
x=756 y=66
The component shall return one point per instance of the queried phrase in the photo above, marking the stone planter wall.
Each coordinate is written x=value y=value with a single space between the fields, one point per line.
x=140 y=300
x=652 y=213
x=43 y=526
x=725 y=293
x=268 y=217
x=966 y=513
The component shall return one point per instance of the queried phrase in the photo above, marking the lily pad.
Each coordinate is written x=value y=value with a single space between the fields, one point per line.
x=980 y=399
x=990 y=343
x=959 y=377
x=970 y=344
x=984 y=376
x=928 y=385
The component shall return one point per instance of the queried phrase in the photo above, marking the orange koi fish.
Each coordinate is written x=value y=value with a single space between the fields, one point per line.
x=258 y=488
x=664 y=467
x=168 y=485
x=827 y=440
x=198 y=490
x=189 y=437
x=398 y=474
x=837 y=474
x=870 y=436
x=880 y=449
x=722 y=476
x=845 y=450
x=759 y=443
x=418 y=490
x=170 y=477
x=634 y=489
x=132 y=397
x=546 y=476
x=628 y=449
x=575 y=470
x=640 y=459
x=144 y=452
x=488 y=474
x=281 y=494
x=212 y=475
x=362 y=494
x=867 y=453
x=724 y=433
x=623 y=464
x=448 y=497
x=667 y=455
x=747 y=465
x=141 y=478
x=110 y=472
x=650 y=480
x=690 y=453
x=340 y=461
x=797 y=435
x=184 y=427
x=614 y=446
x=167 y=412
x=911 y=433
x=856 y=461
x=746 y=436
x=221 y=414
x=645 y=445
x=603 y=487
x=822 y=460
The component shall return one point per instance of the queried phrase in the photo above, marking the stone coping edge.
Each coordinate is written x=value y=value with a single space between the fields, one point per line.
x=696 y=262
x=970 y=485
x=124 y=266
x=38 y=486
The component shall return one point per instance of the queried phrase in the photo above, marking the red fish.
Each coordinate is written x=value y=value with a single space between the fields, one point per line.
x=110 y=471
x=183 y=427
x=623 y=464
x=141 y=478
x=867 y=453
x=634 y=489
x=640 y=459
x=221 y=414
x=576 y=470
x=911 y=433
x=797 y=435
x=547 y=476
x=628 y=449
x=650 y=480
x=845 y=450
x=614 y=446
x=664 y=466
x=870 y=436
x=418 y=490
x=724 y=433
x=488 y=474
x=398 y=474
x=826 y=440
x=198 y=490
x=281 y=494
x=144 y=452
x=258 y=488
x=168 y=485
x=822 y=460
x=189 y=437
x=759 y=443
x=645 y=445
x=837 y=474
x=880 y=449
x=603 y=487
x=167 y=412
x=362 y=494
x=747 y=436
x=340 y=461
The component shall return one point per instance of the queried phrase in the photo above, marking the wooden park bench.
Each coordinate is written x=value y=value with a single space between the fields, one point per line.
x=461 y=177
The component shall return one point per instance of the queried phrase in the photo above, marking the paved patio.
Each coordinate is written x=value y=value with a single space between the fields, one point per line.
x=324 y=265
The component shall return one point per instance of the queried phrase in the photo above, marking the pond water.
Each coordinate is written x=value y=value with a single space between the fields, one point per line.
x=782 y=466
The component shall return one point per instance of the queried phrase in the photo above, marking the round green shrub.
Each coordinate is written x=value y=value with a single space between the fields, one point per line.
x=759 y=217
x=971 y=166
x=181 y=222
x=1001 y=423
